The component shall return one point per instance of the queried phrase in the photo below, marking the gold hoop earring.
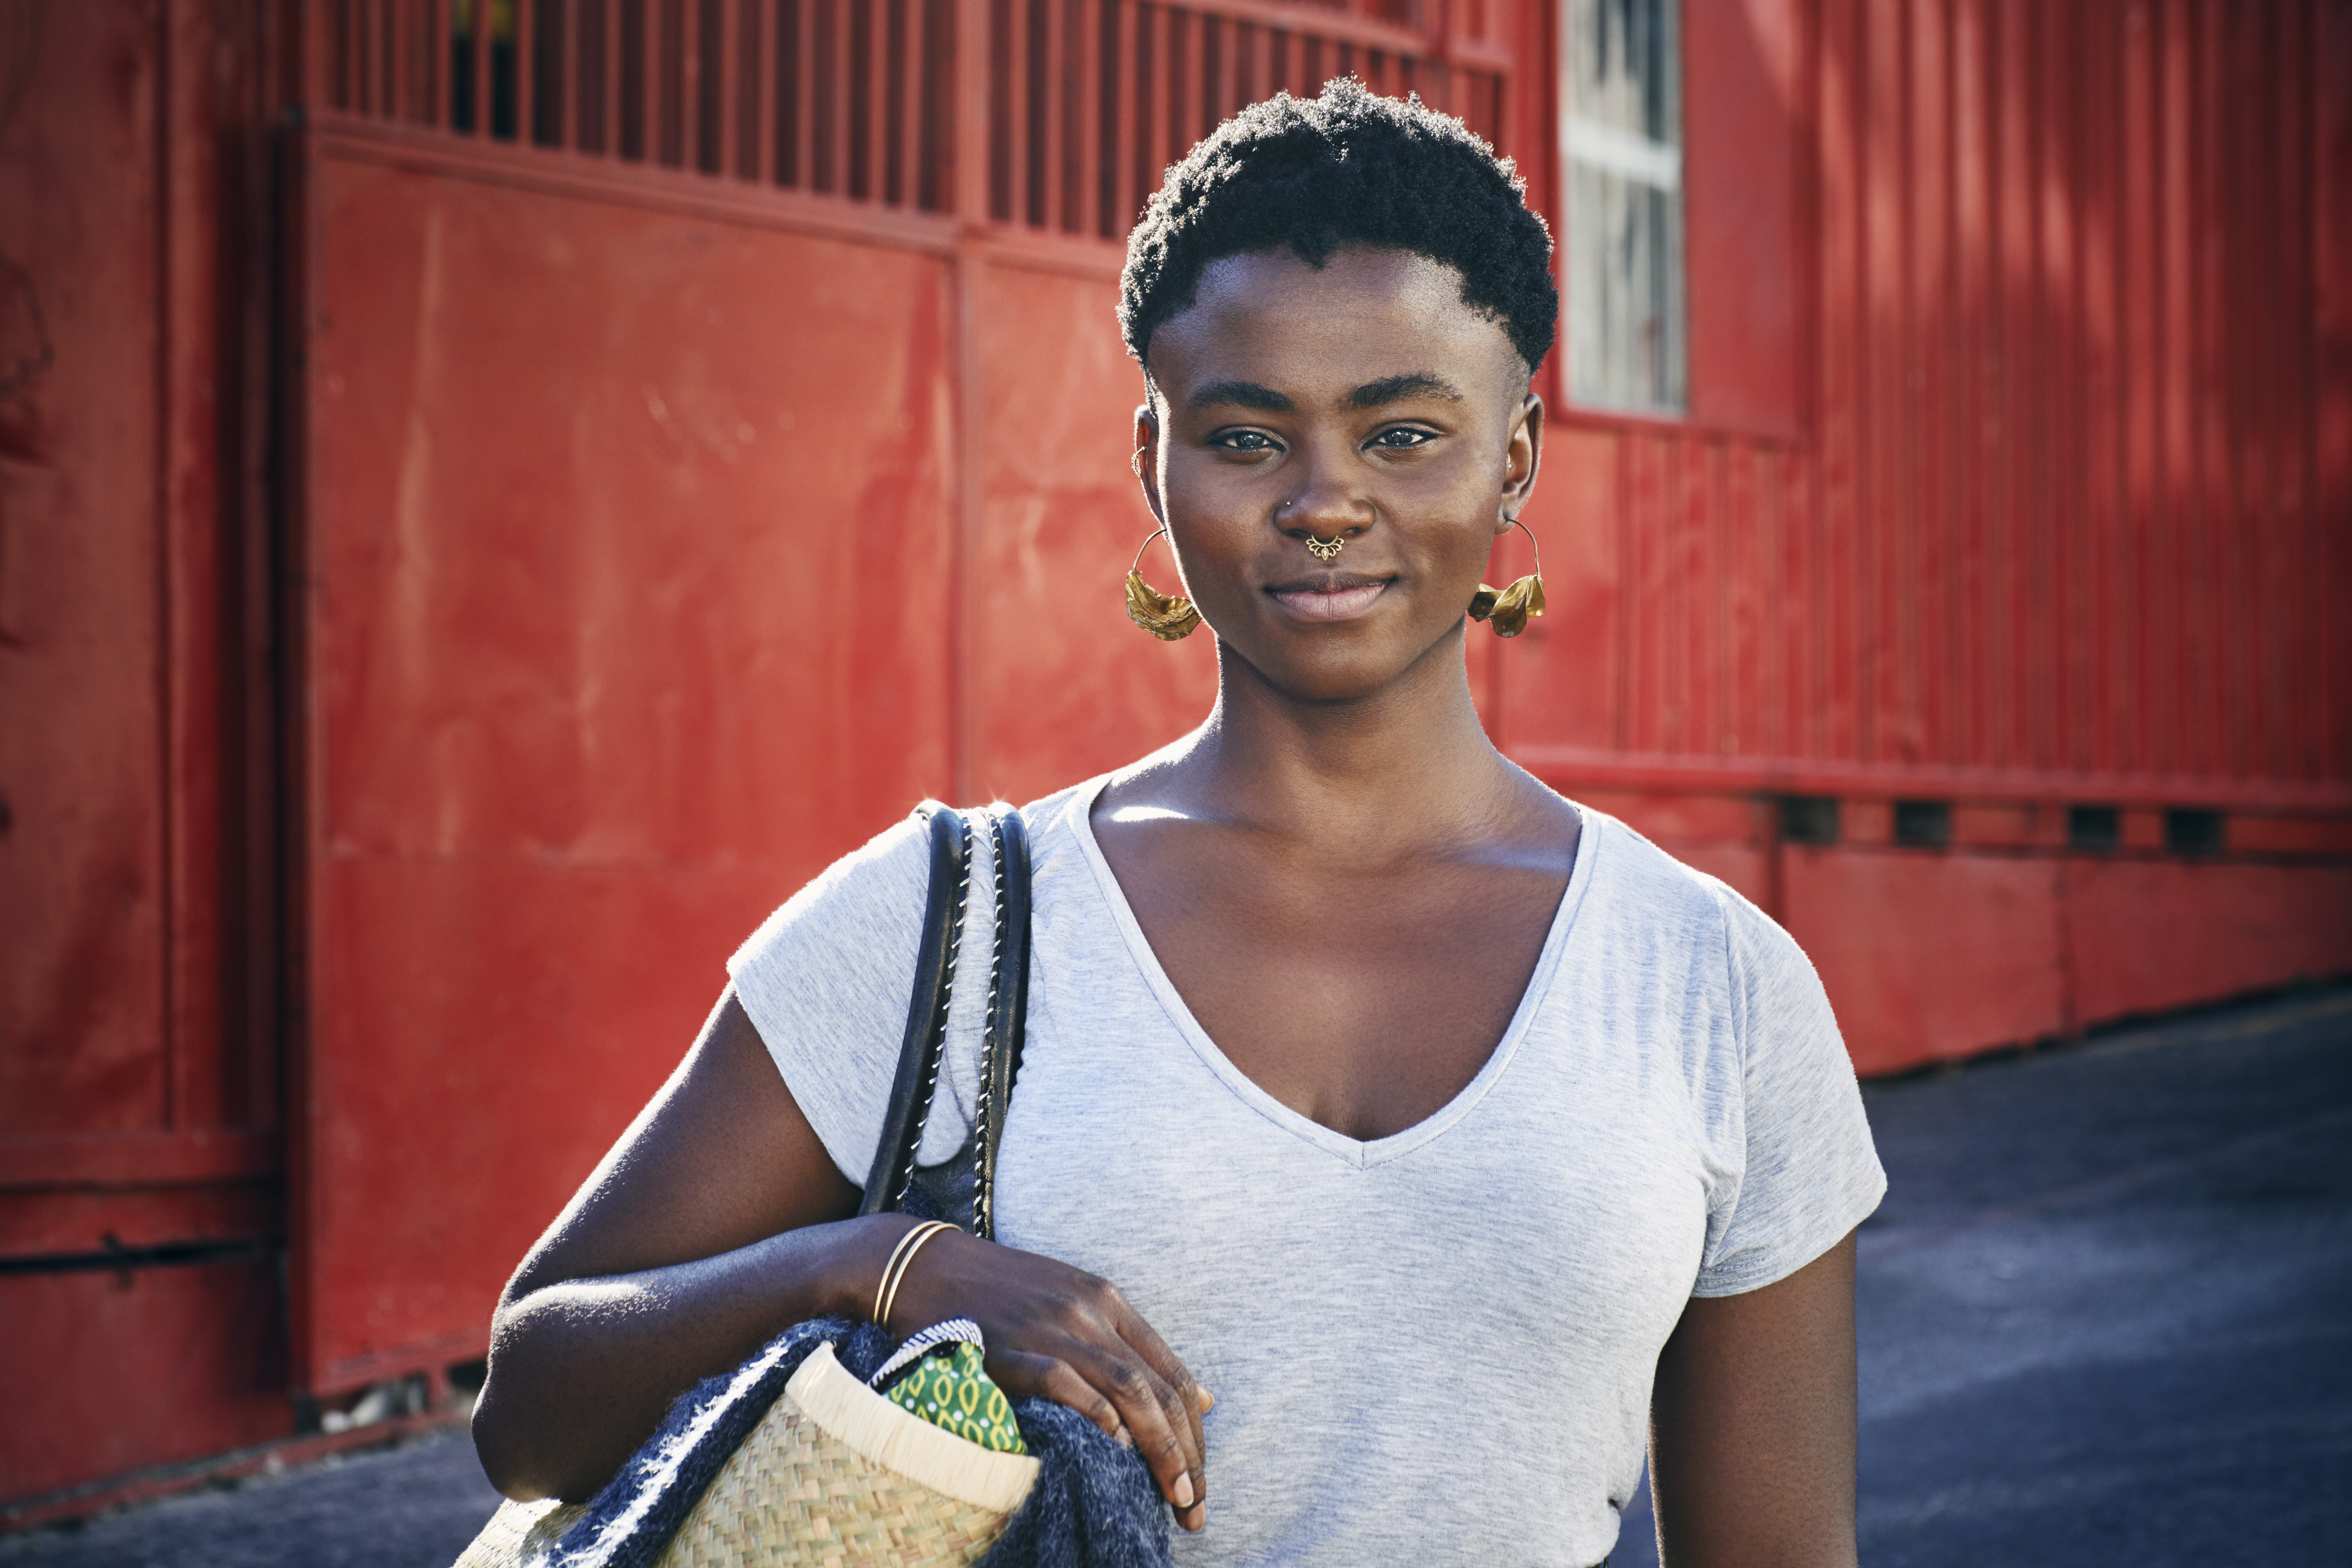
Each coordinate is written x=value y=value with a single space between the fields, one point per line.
x=1507 y=609
x=1164 y=615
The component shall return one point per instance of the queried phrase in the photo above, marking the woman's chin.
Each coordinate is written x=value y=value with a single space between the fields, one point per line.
x=1334 y=670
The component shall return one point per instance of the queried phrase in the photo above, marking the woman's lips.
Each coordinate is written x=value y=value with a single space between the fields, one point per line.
x=1337 y=601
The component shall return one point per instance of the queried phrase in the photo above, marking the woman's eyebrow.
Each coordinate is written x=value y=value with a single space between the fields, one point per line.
x=1396 y=388
x=1242 y=394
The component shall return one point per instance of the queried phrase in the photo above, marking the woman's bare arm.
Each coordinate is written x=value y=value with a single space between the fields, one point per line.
x=1752 y=1425
x=718 y=1219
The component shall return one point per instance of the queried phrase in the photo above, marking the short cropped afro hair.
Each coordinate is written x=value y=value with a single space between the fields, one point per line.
x=1346 y=168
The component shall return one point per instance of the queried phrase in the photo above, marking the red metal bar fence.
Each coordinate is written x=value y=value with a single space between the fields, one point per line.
x=1088 y=101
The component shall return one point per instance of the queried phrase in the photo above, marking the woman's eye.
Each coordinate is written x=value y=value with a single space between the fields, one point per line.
x=1243 y=441
x=1402 y=438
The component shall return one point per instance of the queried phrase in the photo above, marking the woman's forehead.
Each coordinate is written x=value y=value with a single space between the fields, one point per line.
x=1364 y=317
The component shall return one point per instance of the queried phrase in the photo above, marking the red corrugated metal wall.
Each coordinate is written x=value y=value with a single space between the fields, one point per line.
x=703 y=431
x=2061 y=524
x=2058 y=508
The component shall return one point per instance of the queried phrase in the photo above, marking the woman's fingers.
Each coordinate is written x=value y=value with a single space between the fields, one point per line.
x=1186 y=1401
x=1125 y=1400
x=1155 y=1423
x=1153 y=1389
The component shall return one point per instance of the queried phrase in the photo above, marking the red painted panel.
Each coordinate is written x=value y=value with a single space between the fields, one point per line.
x=1834 y=630
x=2252 y=835
x=1742 y=109
x=490 y=1026
x=2151 y=934
x=628 y=540
x=1745 y=868
x=1067 y=685
x=175 y=1364
x=2328 y=455
x=82 y=931
x=1929 y=956
x=121 y=1115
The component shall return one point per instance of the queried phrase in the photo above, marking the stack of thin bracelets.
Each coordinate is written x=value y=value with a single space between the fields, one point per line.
x=885 y=1295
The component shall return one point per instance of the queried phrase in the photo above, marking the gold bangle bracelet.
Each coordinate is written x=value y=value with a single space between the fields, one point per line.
x=900 y=1261
x=882 y=1284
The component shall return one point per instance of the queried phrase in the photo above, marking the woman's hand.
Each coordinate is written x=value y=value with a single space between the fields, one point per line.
x=1059 y=1333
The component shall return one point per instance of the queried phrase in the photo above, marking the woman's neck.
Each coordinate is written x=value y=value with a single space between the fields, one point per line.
x=1390 y=771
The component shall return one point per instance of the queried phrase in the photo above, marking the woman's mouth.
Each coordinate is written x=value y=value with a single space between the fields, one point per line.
x=1338 y=597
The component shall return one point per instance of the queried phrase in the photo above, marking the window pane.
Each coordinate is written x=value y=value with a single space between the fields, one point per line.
x=1622 y=140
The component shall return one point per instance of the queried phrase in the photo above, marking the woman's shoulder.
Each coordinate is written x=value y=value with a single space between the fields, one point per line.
x=1642 y=880
x=1649 y=888
x=873 y=897
x=879 y=874
x=843 y=944
x=1050 y=813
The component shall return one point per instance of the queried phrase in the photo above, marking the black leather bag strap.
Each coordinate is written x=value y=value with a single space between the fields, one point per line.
x=1008 y=1011
x=926 y=1013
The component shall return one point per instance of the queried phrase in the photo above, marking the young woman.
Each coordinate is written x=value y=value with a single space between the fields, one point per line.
x=1448 y=1131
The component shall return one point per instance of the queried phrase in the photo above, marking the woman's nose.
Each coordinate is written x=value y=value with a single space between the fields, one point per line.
x=1323 y=505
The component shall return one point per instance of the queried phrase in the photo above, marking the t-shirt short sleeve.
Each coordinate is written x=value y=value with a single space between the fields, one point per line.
x=1811 y=1173
x=827 y=978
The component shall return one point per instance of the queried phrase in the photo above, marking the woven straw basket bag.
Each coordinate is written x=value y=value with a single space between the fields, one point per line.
x=835 y=1476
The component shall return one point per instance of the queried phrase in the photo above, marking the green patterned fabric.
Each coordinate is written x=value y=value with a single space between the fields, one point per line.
x=952 y=1391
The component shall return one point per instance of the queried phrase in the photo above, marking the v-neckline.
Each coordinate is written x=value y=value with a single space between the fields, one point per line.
x=1353 y=1150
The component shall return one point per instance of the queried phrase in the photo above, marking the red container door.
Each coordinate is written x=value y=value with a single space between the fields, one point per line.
x=627 y=533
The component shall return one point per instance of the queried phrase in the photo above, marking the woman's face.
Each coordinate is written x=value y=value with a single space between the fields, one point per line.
x=1361 y=401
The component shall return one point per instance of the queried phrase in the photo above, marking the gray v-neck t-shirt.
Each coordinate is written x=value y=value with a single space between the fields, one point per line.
x=1436 y=1346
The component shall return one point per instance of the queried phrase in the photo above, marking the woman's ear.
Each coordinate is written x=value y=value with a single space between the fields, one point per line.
x=1145 y=461
x=1521 y=457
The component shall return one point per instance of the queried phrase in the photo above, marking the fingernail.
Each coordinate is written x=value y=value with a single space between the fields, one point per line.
x=1125 y=1440
x=1183 y=1491
x=1208 y=1400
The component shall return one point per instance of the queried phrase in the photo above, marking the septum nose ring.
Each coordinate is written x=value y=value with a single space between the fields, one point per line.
x=1318 y=547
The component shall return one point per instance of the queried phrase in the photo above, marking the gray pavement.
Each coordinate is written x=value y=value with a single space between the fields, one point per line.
x=411 y=1507
x=2102 y=1320
x=2102 y=1313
